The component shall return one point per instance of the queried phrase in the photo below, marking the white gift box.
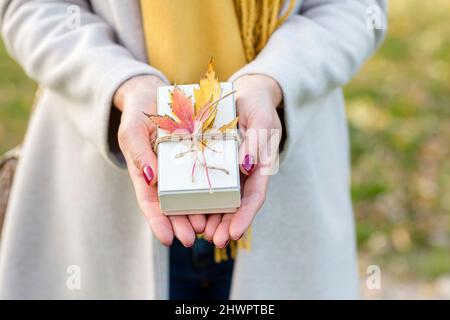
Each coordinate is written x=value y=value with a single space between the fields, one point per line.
x=178 y=192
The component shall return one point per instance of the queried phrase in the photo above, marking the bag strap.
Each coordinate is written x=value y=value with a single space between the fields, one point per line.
x=8 y=164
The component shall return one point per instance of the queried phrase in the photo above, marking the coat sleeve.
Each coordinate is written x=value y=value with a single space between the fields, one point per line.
x=66 y=48
x=315 y=52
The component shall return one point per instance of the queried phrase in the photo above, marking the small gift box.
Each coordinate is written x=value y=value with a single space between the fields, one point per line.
x=198 y=169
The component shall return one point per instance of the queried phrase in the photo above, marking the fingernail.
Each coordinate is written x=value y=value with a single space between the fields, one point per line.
x=240 y=237
x=148 y=174
x=248 y=164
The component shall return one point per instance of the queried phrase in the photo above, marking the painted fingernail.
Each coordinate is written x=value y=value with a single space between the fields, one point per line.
x=148 y=174
x=249 y=164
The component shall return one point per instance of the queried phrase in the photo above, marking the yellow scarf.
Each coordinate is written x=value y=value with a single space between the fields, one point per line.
x=182 y=35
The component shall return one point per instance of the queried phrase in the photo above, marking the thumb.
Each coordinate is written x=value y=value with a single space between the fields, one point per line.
x=248 y=151
x=136 y=143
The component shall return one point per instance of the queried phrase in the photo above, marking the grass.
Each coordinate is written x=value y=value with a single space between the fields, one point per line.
x=398 y=110
x=16 y=97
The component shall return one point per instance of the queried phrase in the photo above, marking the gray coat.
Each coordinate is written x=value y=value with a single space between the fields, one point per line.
x=73 y=210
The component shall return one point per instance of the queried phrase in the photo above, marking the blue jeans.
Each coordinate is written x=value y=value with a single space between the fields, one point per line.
x=194 y=274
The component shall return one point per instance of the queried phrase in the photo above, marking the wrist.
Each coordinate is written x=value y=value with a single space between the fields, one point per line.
x=143 y=85
x=275 y=90
x=262 y=84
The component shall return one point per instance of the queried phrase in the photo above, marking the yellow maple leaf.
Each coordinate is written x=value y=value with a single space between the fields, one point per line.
x=231 y=125
x=209 y=91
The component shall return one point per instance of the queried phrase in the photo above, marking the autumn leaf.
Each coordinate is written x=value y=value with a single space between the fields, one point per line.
x=182 y=108
x=231 y=125
x=165 y=123
x=209 y=91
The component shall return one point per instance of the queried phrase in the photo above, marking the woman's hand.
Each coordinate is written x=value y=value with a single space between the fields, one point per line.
x=257 y=97
x=133 y=98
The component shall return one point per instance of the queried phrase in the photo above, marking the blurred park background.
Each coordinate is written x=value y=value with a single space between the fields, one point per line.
x=399 y=115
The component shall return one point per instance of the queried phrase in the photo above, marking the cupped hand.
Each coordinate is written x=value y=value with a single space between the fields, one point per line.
x=257 y=97
x=136 y=131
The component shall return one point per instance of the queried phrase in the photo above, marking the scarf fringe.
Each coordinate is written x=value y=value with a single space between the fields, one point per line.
x=231 y=251
x=258 y=19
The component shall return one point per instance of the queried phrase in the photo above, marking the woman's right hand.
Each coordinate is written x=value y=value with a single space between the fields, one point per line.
x=133 y=98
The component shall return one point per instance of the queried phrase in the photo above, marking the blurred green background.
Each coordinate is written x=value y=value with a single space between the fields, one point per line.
x=399 y=115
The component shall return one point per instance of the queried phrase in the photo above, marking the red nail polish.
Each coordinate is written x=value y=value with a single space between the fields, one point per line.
x=148 y=174
x=249 y=164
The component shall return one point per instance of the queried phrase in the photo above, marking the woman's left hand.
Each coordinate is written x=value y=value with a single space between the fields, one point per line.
x=257 y=97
